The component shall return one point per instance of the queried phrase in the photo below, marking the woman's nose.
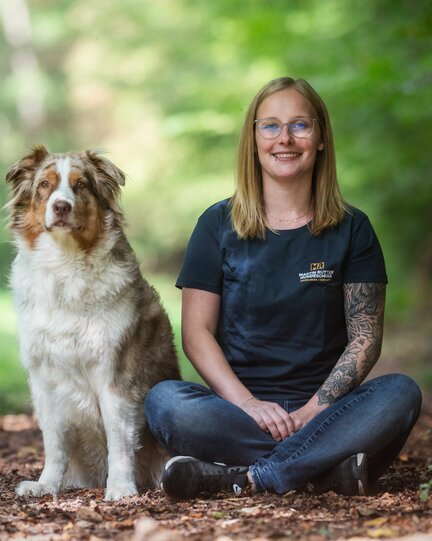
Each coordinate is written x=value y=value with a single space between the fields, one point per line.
x=285 y=134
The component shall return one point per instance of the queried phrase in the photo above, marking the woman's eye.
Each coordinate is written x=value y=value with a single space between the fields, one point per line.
x=299 y=125
x=271 y=127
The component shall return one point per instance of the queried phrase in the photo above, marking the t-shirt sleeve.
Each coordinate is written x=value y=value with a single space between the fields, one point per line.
x=365 y=261
x=202 y=263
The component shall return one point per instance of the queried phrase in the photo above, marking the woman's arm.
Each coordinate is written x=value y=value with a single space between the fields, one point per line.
x=364 y=314
x=200 y=312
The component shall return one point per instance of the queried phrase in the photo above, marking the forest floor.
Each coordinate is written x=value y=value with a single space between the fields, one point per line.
x=395 y=511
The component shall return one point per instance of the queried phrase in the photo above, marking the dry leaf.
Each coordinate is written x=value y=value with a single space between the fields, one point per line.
x=218 y=514
x=29 y=450
x=88 y=514
x=148 y=529
x=84 y=524
x=381 y=532
x=376 y=521
x=196 y=514
x=366 y=511
x=256 y=510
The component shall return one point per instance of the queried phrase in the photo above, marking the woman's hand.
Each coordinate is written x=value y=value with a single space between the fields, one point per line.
x=270 y=418
x=306 y=413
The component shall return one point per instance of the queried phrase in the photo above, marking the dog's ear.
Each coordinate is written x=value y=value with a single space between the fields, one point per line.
x=107 y=177
x=107 y=173
x=20 y=176
x=20 y=170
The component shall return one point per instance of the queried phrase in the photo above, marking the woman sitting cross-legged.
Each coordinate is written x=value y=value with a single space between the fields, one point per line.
x=283 y=302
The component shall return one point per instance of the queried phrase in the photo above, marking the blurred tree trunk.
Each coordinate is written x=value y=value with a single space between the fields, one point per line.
x=24 y=64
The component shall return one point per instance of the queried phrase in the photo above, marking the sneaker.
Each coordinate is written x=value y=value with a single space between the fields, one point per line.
x=349 y=477
x=185 y=477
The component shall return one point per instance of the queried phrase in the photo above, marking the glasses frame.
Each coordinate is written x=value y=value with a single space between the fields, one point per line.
x=287 y=124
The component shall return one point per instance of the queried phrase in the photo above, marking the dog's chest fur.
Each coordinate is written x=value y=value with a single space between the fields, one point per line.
x=73 y=310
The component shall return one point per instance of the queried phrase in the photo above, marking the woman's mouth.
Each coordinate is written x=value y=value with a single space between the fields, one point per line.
x=286 y=155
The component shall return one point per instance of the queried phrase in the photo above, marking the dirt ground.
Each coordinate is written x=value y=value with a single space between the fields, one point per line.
x=395 y=511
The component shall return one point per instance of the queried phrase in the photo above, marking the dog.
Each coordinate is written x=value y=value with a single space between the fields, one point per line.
x=93 y=335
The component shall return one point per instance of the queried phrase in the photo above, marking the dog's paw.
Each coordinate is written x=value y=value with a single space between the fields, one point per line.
x=32 y=488
x=121 y=490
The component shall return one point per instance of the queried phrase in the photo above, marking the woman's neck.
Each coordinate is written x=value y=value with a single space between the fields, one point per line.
x=288 y=204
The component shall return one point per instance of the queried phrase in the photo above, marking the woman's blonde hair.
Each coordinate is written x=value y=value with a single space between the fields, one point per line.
x=247 y=203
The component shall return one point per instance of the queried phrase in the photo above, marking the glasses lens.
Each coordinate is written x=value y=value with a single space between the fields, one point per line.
x=269 y=128
x=301 y=127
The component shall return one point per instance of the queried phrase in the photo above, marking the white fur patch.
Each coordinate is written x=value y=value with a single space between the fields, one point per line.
x=63 y=192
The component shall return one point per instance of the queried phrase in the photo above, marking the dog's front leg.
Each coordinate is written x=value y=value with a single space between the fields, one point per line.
x=120 y=422
x=56 y=459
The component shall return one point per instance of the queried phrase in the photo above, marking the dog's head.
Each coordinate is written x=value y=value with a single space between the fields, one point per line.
x=72 y=194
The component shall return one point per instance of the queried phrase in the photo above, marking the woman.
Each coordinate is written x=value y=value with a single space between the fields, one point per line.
x=283 y=292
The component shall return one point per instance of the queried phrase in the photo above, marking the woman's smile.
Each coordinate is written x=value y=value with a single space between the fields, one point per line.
x=286 y=156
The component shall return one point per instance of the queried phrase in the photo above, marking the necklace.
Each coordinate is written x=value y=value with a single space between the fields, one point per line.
x=287 y=220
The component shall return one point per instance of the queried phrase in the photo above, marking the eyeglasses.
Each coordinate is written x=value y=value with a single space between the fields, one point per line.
x=271 y=128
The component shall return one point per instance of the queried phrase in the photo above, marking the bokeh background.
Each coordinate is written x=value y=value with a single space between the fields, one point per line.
x=163 y=85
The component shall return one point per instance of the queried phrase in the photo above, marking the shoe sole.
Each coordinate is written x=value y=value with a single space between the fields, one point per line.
x=184 y=458
x=178 y=459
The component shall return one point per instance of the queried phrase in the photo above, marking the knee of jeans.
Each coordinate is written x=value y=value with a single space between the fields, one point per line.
x=406 y=390
x=159 y=403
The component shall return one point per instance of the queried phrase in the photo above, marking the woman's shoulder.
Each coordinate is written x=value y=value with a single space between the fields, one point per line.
x=216 y=213
x=355 y=222
x=354 y=216
x=356 y=225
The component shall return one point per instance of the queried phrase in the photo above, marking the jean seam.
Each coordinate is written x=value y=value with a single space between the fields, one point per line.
x=328 y=420
x=266 y=470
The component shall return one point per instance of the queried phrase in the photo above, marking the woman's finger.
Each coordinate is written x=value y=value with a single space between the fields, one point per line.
x=271 y=418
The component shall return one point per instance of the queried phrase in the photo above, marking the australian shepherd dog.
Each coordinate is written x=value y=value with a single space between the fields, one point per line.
x=93 y=335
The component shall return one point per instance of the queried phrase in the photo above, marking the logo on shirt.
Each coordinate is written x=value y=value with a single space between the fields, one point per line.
x=317 y=273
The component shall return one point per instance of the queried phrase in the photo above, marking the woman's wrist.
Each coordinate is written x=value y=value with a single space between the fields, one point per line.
x=243 y=404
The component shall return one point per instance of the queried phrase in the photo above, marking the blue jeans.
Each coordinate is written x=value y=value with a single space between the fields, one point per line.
x=376 y=419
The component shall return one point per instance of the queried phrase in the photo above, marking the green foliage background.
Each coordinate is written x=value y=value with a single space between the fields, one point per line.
x=163 y=86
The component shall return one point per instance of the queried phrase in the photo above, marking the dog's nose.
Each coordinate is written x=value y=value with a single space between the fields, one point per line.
x=61 y=208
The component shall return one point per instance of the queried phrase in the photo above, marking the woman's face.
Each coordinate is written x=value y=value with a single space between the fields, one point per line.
x=287 y=157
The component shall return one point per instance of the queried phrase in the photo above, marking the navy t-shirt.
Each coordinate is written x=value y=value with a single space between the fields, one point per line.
x=281 y=322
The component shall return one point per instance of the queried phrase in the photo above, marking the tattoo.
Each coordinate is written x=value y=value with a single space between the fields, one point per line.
x=364 y=314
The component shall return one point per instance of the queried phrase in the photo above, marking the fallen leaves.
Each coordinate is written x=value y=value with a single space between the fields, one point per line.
x=83 y=515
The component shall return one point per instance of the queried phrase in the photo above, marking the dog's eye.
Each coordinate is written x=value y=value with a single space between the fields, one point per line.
x=80 y=184
x=44 y=184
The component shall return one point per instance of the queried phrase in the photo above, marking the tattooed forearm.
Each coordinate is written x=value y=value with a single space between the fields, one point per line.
x=364 y=313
